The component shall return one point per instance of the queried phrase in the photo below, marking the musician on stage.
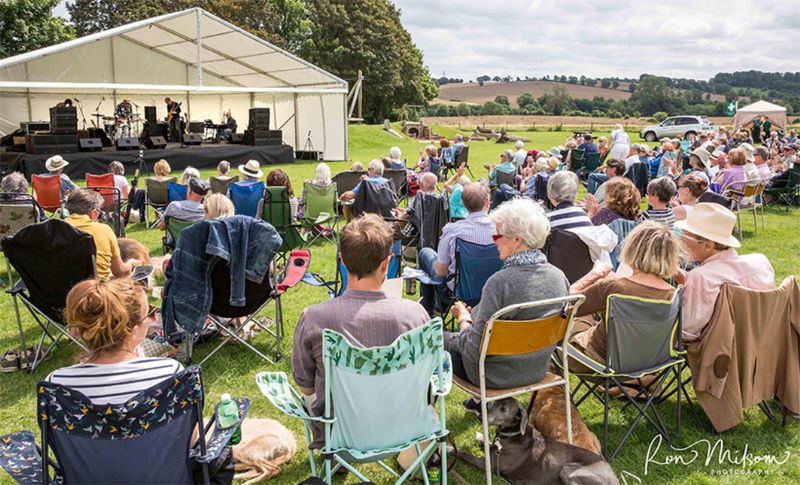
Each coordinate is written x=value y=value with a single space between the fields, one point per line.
x=229 y=129
x=174 y=120
x=67 y=103
x=123 y=114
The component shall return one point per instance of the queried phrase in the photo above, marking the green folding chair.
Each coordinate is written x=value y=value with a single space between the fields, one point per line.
x=320 y=210
x=591 y=162
x=277 y=211
x=376 y=402
x=174 y=229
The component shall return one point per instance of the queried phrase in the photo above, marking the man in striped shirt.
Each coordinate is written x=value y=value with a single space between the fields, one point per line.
x=659 y=192
x=363 y=314
x=562 y=188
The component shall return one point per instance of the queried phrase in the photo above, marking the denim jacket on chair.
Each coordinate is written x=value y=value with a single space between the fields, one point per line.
x=248 y=244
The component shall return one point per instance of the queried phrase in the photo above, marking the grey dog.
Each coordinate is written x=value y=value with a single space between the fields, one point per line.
x=525 y=456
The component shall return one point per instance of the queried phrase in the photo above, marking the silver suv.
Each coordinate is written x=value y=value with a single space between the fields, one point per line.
x=677 y=126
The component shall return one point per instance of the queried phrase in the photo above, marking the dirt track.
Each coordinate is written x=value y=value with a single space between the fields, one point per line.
x=528 y=121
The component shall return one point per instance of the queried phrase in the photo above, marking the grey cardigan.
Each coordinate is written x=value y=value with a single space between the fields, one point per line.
x=511 y=285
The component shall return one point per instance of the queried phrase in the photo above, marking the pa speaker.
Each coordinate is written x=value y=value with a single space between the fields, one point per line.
x=195 y=127
x=192 y=139
x=154 y=142
x=150 y=114
x=90 y=144
x=236 y=138
x=129 y=143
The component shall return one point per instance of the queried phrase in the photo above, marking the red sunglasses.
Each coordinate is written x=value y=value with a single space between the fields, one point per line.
x=496 y=237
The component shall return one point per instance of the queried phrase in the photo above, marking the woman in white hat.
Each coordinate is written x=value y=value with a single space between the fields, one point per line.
x=251 y=171
x=55 y=167
x=707 y=237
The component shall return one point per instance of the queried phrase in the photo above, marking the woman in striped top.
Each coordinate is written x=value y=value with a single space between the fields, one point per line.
x=111 y=319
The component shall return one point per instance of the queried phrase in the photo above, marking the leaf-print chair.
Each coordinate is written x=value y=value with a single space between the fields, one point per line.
x=381 y=401
x=16 y=212
x=144 y=440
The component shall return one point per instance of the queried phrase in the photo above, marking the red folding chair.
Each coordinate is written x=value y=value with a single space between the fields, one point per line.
x=112 y=199
x=47 y=193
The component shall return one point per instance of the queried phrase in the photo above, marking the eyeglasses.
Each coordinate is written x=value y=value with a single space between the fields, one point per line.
x=496 y=237
x=151 y=315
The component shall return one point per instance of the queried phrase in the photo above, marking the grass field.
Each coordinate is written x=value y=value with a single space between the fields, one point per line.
x=233 y=370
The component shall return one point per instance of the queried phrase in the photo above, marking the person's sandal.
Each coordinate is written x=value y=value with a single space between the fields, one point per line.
x=9 y=362
x=23 y=364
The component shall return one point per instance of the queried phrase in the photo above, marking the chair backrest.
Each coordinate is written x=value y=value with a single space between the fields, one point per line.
x=347 y=181
x=104 y=185
x=104 y=180
x=277 y=210
x=475 y=263
x=16 y=212
x=175 y=227
x=430 y=214
x=176 y=192
x=641 y=332
x=505 y=178
x=157 y=191
x=462 y=156
x=219 y=185
x=255 y=294
x=393 y=271
x=577 y=154
x=145 y=440
x=621 y=227
x=713 y=197
x=375 y=199
x=398 y=177
x=47 y=191
x=379 y=394
x=566 y=251
x=592 y=161
x=639 y=174
x=246 y=196
x=319 y=200
x=51 y=257
x=541 y=187
x=576 y=159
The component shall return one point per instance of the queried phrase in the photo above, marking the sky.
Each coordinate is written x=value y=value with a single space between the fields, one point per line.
x=600 y=38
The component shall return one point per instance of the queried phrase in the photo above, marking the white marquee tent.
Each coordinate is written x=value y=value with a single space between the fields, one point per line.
x=193 y=57
x=775 y=113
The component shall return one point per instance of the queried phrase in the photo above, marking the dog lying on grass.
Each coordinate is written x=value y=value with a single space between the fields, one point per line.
x=548 y=415
x=266 y=445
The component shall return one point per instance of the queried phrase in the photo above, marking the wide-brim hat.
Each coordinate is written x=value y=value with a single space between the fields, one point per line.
x=56 y=162
x=555 y=152
x=711 y=221
x=252 y=169
x=703 y=155
x=749 y=151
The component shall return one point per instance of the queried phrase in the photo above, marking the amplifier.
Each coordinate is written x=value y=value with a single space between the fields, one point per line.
x=196 y=127
x=51 y=144
x=30 y=127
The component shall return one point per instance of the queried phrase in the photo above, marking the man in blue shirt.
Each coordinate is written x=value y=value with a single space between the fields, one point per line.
x=55 y=167
x=588 y=146
x=374 y=175
x=506 y=166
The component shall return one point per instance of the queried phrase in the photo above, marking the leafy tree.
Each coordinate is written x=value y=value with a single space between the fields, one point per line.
x=492 y=108
x=572 y=80
x=556 y=101
x=591 y=82
x=502 y=99
x=632 y=87
x=497 y=79
x=652 y=95
x=463 y=109
x=483 y=79
x=605 y=83
x=27 y=25
x=525 y=99
x=443 y=110
x=614 y=84
x=660 y=116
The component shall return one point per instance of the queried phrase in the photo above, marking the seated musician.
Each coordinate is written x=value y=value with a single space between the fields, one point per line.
x=228 y=128
x=123 y=113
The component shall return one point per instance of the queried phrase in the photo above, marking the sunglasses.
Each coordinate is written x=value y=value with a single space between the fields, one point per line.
x=496 y=237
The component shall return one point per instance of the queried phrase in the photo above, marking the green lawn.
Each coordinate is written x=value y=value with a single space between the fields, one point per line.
x=234 y=369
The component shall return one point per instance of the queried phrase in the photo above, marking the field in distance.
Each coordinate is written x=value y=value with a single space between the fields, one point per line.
x=528 y=121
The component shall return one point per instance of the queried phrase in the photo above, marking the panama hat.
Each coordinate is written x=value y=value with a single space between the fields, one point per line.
x=703 y=155
x=555 y=152
x=749 y=151
x=711 y=221
x=252 y=169
x=56 y=162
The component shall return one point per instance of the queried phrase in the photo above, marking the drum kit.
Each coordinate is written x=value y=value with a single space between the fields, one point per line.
x=119 y=126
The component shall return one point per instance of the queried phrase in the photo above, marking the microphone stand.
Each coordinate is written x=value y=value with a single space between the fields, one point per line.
x=83 y=116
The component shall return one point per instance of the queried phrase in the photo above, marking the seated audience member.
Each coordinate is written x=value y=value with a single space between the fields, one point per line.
x=526 y=276
x=357 y=167
x=506 y=166
x=224 y=169
x=189 y=173
x=707 y=237
x=251 y=171
x=520 y=154
x=446 y=154
x=279 y=178
x=374 y=176
x=14 y=189
x=55 y=167
x=161 y=170
x=539 y=174
x=752 y=175
x=363 y=313
x=322 y=178
x=717 y=160
x=588 y=146
x=397 y=163
x=652 y=251
x=458 y=144
x=761 y=156
x=622 y=201
x=668 y=164
x=133 y=250
x=699 y=163
x=603 y=148
x=659 y=194
x=733 y=176
x=120 y=182
x=217 y=206
x=476 y=228
x=84 y=206
x=562 y=188
x=387 y=162
x=455 y=186
x=690 y=188
x=613 y=168
x=190 y=209
x=111 y=319
x=429 y=161
x=633 y=156
x=784 y=167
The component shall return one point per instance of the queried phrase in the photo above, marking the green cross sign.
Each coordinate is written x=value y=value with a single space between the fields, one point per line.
x=730 y=108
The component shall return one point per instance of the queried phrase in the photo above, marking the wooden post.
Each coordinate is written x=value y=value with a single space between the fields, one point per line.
x=360 y=94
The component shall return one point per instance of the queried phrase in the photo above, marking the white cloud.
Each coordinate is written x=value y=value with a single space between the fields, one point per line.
x=625 y=38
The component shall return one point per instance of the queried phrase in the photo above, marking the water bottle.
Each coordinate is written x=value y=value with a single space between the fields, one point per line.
x=228 y=415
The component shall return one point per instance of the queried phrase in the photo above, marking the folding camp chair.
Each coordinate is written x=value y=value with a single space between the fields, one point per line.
x=375 y=198
x=575 y=160
x=246 y=197
x=220 y=184
x=505 y=178
x=112 y=200
x=376 y=402
x=277 y=210
x=643 y=340
x=462 y=156
x=621 y=227
x=174 y=227
x=744 y=197
x=347 y=180
x=16 y=212
x=50 y=258
x=639 y=174
x=591 y=163
x=429 y=214
x=789 y=194
x=47 y=193
x=176 y=191
x=566 y=251
x=502 y=337
x=400 y=183
x=156 y=197
x=320 y=209
x=144 y=440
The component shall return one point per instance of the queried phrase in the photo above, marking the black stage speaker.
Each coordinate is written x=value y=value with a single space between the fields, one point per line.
x=90 y=144
x=236 y=138
x=129 y=143
x=154 y=142
x=196 y=127
x=150 y=114
x=192 y=139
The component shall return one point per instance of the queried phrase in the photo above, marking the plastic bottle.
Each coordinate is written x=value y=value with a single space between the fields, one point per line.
x=228 y=415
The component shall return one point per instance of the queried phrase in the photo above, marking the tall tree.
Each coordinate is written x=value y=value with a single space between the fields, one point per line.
x=27 y=25
x=367 y=35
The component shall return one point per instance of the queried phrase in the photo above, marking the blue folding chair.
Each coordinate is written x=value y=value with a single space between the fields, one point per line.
x=246 y=197
x=475 y=263
x=176 y=191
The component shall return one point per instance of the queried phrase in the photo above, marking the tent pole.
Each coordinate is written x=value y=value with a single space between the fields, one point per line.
x=296 y=124
x=28 y=94
x=199 y=47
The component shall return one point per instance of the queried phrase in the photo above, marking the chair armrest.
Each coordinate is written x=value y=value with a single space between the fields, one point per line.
x=220 y=437
x=22 y=459
x=276 y=388
x=447 y=377
x=19 y=287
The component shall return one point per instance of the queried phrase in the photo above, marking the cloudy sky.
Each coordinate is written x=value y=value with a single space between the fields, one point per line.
x=623 y=38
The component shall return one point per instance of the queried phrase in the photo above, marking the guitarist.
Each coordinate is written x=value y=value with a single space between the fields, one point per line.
x=174 y=120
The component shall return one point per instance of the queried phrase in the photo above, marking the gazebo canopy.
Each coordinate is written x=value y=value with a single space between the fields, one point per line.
x=192 y=56
x=775 y=113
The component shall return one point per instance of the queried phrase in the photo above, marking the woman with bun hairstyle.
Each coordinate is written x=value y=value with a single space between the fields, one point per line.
x=690 y=188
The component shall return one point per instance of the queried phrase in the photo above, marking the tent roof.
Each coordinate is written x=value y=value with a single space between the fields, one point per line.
x=232 y=59
x=762 y=107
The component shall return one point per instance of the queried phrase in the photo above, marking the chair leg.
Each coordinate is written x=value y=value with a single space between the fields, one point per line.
x=605 y=420
x=21 y=333
x=678 y=372
x=569 y=409
x=487 y=442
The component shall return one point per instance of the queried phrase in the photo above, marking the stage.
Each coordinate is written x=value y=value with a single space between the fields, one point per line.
x=200 y=157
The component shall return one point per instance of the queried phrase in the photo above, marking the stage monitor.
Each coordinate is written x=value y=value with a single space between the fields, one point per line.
x=128 y=143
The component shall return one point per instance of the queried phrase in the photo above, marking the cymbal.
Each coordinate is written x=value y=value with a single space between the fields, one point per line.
x=108 y=118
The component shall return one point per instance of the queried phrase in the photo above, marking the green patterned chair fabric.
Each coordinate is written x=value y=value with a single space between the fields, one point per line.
x=15 y=216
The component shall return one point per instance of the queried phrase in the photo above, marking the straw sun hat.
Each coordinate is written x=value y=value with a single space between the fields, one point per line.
x=711 y=221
